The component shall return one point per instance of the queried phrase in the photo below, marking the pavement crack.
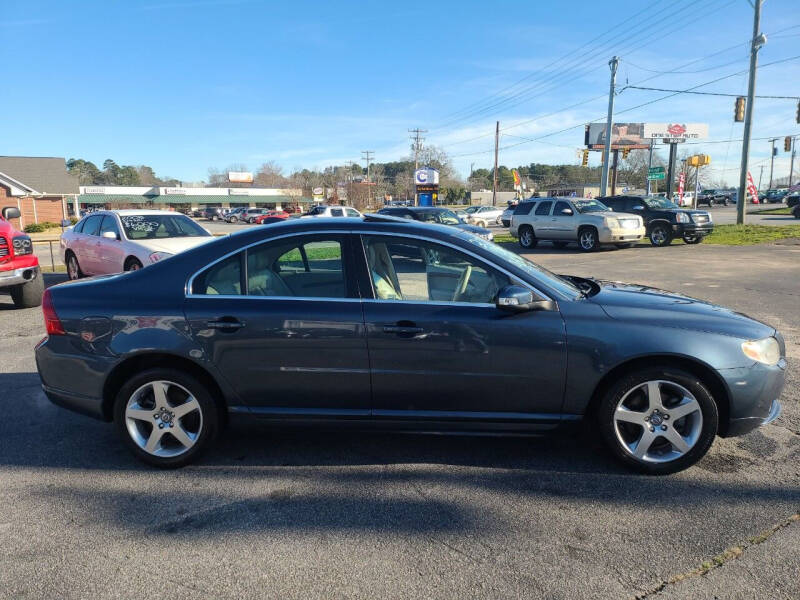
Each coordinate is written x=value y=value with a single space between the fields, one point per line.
x=717 y=561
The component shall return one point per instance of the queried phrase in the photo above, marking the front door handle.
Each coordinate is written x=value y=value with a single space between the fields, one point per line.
x=399 y=329
x=225 y=324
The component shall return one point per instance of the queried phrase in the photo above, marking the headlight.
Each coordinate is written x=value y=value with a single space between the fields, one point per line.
x=157 y=256
x=766 y=350
x=682 y=217
x=612 y=222
x=22 y=245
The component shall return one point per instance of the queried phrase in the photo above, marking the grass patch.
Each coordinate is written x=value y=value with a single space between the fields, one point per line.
x=784 y=210
x=747 y=235
x=504 y=238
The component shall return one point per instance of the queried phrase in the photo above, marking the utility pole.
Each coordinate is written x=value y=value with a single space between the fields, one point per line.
x=756 y=42
x=417 y=145
x=772 y=160
x=760 y=175
x=613 y=63
x=368 y=155
x=649 y=166
x=614 y=168
x=496 y=145
x=791 y=162
x=671 y=171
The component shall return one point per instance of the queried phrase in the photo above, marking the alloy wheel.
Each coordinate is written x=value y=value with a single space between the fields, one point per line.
x=658 y=236
x=526 y=238
x=163 y=418
x=73 y=272
x=587 y=240
x=658 y=421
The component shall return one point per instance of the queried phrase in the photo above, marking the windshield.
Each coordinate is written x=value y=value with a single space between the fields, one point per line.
x=445 y=217
x=536 y=272
x=317 y=210
x=151 y=227
x=471 y=209
x=588 y=206
x=659 y=202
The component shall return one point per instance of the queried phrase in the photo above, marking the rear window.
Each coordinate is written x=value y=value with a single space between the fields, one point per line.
x=524 y=208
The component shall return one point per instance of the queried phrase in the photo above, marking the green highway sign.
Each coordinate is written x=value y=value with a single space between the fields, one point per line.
x=656 y=173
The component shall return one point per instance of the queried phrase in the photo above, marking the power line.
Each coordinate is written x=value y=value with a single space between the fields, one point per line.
x=652 y=89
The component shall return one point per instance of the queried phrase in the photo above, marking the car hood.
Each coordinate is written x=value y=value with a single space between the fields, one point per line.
x=172 y=245
x=641 y=303
x=472 y=229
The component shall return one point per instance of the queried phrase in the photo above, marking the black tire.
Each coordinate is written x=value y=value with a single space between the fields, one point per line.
x=208 y=410
x=233 y=220
x=559 y=245
x=29 y=294
x=796 y=211
x=693 y=239
x=73 y=270
x=724 y=202
x=710 y=202
x=251 y=220
x=623 y=246
x=527 y=238
x=707 y=431
x=132 y=264
x=588 y=240
x=660 y=235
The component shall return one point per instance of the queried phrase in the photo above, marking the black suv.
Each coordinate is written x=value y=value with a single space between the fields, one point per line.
x=214 y=213
x=712 y=197
x=664 y=219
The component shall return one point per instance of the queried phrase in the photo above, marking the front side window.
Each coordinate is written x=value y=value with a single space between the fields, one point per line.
x=337 y=212
x=420 y=271
x=561 y=205
x=544 y=208
x=109 y=225
x=351 y=212
x=305 y=266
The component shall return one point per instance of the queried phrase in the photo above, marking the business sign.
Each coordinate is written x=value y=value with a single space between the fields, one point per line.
x=623 y=135
x=240 y=177
x=654 y=173
x=175 y=191
x=426 y=176
x=675 y=132
x=318 y=191
x=238 y=192
x=94 y=190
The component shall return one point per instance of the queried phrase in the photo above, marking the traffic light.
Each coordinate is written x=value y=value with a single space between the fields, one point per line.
x=787 y=143
x=625 y=152
x=585 y=159
x=738 y=110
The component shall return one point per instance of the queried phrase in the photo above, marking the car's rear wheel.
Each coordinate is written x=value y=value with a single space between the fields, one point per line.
x=165 y=417
x=132 y=264
x=724 y=202
x=588 y=239
x=660 y=235
x=498 y=221
x=527 y=239
x=658 y=420
x=73 y=268
x=710 y=202
x=28 y=295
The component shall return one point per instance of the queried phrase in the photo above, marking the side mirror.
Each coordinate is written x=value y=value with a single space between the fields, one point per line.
x=566 y=211
x=110 y=235
x=515 y=298
x=10 y=212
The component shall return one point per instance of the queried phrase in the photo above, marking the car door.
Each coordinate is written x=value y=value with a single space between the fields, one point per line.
x=564 y=221
x=282 y=323
x=109 y=253
x=85 y=246
x=440 y=348
x=540 y=220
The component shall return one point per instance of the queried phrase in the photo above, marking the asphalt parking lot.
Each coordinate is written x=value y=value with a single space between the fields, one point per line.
x=317 y=515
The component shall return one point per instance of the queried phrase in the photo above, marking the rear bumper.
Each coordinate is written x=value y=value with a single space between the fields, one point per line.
x=86 y=405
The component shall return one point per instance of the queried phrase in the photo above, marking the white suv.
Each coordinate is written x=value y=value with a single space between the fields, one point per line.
x=564 y=220
x=322 y=210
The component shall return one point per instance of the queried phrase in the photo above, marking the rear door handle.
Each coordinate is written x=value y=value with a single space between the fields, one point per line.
x=229 y=323
x=402 y=329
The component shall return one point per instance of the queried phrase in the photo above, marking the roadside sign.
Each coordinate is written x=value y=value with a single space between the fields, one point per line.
x=654 y=173
x=675 y=132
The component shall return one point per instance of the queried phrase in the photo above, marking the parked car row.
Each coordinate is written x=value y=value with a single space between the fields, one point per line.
x=436 y=215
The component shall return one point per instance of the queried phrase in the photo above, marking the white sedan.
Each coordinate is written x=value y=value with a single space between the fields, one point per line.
x=112 y=241
x=483 y=216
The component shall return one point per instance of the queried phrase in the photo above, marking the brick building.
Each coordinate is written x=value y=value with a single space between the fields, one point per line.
x=39 y=186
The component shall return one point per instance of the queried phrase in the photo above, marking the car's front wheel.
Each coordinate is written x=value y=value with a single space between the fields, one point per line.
x=166 y=417
x=588 y=239
x=660 y=235
x=658 y=420
x=527 y=239
x=29 y=294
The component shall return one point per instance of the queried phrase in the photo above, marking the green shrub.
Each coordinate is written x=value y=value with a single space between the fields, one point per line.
x=34 y=228
x=73 y=220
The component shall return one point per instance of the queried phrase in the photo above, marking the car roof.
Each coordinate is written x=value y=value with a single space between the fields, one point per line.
x=133 y=211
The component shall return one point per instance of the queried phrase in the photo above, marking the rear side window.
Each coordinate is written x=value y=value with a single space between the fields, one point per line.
x=79 y=227
x=544 y=208
x=337 y=212
x=92 y=226
x=524 y=208
x=223 y=278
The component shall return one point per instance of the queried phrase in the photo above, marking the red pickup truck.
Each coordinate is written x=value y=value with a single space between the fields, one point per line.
x=19 y=267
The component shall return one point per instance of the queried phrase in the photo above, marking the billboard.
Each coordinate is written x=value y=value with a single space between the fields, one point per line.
x=240 y=177
x=623 y=135
x=676 y=132
x=426 y=176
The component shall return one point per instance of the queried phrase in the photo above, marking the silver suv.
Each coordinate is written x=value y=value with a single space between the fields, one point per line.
x=582 y=220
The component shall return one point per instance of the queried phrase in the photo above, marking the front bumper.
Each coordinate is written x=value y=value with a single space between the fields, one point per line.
x=754 y=396
x=17 y=276
x=695 y=229
x=615 y=235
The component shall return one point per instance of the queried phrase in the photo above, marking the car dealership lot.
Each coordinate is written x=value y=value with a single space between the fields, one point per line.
x=310 y=514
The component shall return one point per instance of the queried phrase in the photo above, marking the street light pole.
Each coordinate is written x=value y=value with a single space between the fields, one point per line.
x=649 y=166
x=771 y=161
x=613 y=63
x=756 y=42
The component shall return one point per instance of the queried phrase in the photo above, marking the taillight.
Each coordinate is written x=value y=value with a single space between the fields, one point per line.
x=51 y=321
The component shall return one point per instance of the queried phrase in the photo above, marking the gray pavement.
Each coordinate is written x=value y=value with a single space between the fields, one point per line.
x=317 y=515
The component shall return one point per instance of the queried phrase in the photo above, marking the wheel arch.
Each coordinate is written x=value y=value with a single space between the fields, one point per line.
x=702 y=371
x=658 y=221
x=141 y=362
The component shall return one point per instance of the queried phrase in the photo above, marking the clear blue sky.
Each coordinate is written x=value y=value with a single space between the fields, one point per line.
x=184 y=85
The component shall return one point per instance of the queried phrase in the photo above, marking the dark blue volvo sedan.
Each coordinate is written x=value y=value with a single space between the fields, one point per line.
x=382 y=322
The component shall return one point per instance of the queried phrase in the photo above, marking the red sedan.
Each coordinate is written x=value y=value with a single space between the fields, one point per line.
x=271 y=216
